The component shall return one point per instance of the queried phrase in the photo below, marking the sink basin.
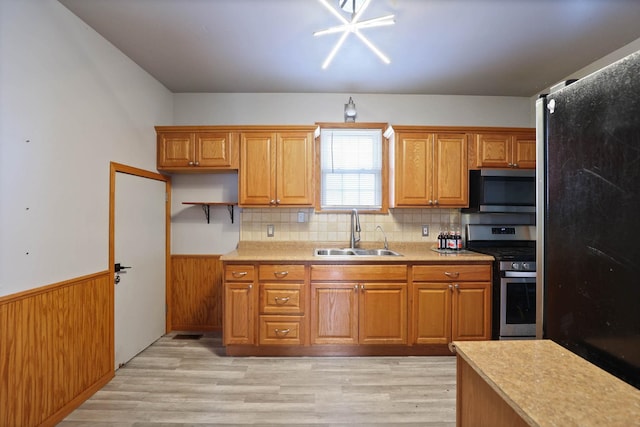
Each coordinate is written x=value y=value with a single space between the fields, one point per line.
x=333 y=251
x=376 y=252
x=354 y=252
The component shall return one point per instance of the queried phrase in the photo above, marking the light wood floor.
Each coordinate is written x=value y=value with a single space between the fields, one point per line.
x=177 y=382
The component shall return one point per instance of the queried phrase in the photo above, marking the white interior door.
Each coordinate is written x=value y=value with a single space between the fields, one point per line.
x=139 y=243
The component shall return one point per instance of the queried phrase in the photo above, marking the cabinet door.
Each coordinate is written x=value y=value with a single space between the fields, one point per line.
x=493 y=150
x=334 y=313
x=451 y=173
x=213 y=149
x=175 y=149
x=383 y=313
x=239 y=313
x=413 y=169
x=257 y=169
x=294 y=169
x=431 y=313
x=524 y=151
x=471 y=311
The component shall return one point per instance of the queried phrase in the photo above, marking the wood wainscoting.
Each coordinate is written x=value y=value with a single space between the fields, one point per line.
x=195 y=302
x=56 y=349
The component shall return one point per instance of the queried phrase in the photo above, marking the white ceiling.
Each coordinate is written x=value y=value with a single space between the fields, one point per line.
x=452 y=47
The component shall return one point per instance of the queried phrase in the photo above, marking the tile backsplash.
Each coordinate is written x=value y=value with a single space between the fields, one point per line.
x=400 y=225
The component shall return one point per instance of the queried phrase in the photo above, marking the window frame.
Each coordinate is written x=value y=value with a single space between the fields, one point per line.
x=384 y=178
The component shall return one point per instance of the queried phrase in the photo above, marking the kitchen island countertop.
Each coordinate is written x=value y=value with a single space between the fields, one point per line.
x=548 y=385
x=248 y=251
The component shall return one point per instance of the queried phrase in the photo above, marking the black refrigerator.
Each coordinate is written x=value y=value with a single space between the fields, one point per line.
x=588 y=219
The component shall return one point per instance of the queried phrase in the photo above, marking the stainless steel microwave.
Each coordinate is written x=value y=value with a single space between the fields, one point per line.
x=502 y=190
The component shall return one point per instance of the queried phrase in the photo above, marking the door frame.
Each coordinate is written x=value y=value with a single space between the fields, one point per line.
x=130 y=170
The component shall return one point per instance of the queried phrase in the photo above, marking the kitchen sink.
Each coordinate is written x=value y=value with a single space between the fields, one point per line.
x=354 y=252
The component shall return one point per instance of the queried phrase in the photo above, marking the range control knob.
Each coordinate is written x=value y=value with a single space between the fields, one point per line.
x=526 y=266
x=515 y=266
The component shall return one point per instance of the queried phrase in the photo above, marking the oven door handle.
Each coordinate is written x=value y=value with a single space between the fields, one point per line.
x=514 y=274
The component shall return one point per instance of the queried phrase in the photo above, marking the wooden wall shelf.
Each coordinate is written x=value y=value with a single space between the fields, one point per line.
x=207 y=205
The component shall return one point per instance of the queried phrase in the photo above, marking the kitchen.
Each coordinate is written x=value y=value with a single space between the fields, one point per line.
x=111 y=105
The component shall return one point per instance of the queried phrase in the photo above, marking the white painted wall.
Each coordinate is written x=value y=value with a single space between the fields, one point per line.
x=70 y=103
x=308 y=108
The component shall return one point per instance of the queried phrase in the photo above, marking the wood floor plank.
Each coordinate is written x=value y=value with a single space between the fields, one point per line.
x=181 y=383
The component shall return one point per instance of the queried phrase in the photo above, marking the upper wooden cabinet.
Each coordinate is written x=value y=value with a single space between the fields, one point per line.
x=430 y=169
x=196 y=149
x=276 y=167
x=506 y=150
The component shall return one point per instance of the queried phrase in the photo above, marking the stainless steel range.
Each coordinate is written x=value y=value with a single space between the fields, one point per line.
x=514 y=276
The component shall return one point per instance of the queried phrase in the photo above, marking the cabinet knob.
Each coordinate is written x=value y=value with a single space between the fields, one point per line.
x=457 y=287
x=515 y=165
x=435 y=202
x=190 y=163
x=450 y=287
x=430 y=202
x=250 y=286
x=277 y=201
x=197 y=163
x=272 y=202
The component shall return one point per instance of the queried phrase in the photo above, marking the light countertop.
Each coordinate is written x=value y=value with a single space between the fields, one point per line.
x=303 y=252
x=548 y=385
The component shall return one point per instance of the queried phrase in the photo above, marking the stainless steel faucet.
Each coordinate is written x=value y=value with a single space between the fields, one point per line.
x=386 y=242
x=355 y=228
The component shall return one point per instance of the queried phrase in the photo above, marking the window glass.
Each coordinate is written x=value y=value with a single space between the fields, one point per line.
x=351 y=169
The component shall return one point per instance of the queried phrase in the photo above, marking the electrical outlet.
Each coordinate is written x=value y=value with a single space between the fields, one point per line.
x=270 y=230
x=425 y=230
x=300 y=216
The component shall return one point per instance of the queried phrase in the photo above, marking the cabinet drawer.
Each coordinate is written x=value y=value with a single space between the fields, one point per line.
x=281 y=272
x=234 y=273
x=281 y=330
x=377 y=272
x=282 y=298
x=452 y=272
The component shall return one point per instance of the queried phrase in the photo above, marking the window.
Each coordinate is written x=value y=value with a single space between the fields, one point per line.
x=351 y=169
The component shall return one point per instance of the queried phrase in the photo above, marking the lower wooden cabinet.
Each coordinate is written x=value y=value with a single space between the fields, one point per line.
x=359 y=313
x=240 y=302
x=321 y=308
x=282 y=304
x=355 y=309
x=451 y=302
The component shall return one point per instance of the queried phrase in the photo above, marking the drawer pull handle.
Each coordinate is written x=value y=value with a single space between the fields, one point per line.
x=280 y=274
x=238 y=274
x=452 y=274
x=281 y=332
x=282 y=300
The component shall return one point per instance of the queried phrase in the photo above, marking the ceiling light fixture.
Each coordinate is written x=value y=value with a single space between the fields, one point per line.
x=356 y=8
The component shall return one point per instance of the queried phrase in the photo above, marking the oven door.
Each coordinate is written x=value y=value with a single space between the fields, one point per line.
x=518 y=305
